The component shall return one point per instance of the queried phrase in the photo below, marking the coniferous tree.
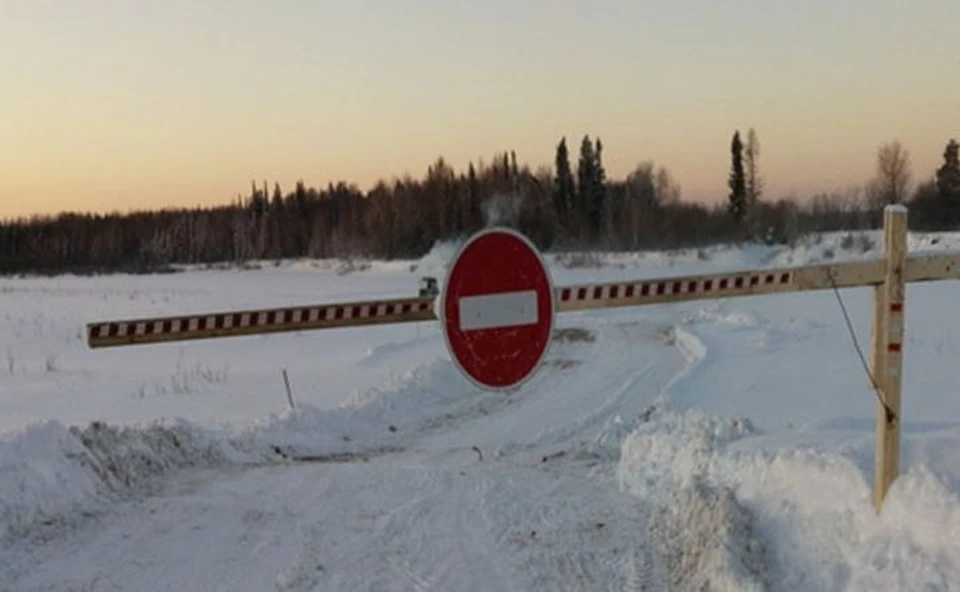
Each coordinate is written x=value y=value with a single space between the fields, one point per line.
x=563 y=193
x=948 y=175
x=737 y=181
x=754 y=183
x=587 y=193
x=474 y=211
x=598 y=191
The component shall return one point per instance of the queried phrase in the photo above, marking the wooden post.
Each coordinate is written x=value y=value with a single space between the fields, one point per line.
x=888 y=352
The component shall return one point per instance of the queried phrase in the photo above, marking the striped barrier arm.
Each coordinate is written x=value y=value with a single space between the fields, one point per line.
x=720 y=285
x=568 y=298
x=251 y=322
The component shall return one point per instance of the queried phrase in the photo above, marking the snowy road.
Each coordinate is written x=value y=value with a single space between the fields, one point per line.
x=722 y=445
x=508 y=493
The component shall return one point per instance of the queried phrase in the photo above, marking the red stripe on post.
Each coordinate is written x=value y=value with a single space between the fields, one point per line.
x=894 y=347
x=896 y=307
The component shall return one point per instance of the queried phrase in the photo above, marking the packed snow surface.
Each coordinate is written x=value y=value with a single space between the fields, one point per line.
x=712 y=445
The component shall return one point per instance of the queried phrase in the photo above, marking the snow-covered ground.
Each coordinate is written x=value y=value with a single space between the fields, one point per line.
x=724 y=445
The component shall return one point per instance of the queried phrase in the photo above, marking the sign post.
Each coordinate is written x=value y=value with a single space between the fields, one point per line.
x=497 y=309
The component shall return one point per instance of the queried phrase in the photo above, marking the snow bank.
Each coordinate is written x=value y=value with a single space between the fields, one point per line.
x=805 y=515
x=709 y=541
x=51 y=474
x=371 y=421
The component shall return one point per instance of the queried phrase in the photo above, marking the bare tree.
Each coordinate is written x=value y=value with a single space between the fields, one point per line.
x=893 y=174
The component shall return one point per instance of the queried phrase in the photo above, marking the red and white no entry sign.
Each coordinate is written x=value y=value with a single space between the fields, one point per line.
x=497 y=309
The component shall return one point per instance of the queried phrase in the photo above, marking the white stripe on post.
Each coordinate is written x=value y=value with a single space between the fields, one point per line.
x=493 y=311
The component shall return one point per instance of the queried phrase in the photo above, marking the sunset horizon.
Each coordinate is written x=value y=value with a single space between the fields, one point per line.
x=123 y=108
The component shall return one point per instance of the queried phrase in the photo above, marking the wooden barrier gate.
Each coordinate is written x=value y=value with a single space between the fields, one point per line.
x=888 y=275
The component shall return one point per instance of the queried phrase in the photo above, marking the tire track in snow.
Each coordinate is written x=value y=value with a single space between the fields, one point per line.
x=572 y=408
x=461 y=523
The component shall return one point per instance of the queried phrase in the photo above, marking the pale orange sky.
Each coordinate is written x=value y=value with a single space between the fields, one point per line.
x=129 y=105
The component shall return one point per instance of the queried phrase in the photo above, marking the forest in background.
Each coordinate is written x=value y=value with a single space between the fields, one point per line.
x=571 y=206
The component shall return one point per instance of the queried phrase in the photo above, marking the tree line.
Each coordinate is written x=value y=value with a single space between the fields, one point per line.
x=559 y=207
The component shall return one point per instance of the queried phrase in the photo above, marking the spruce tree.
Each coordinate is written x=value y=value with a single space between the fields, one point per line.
x=598 y=190
x=948 y=176
x=563 y=192
x=754 y=183
x=586 y=179
x=737 y=182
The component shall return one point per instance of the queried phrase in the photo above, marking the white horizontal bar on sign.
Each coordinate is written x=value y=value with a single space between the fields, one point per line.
x=495 y=311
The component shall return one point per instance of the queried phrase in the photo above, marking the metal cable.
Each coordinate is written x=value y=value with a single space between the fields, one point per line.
x=891 y=416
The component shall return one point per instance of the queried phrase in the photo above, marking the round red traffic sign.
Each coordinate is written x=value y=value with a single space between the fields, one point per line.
x=497 y=309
